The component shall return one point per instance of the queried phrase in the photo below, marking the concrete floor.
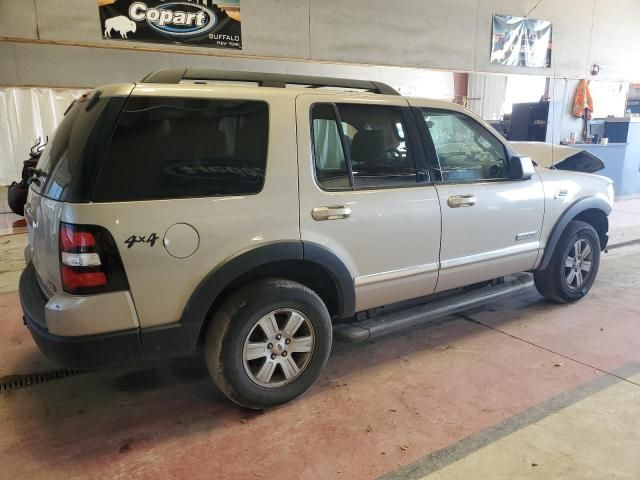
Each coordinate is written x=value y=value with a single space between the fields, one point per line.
x=518 y=389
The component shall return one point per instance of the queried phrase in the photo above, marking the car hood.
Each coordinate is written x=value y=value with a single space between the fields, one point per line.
x=561 y=157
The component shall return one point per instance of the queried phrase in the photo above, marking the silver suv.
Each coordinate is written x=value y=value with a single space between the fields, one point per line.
x=258 y=221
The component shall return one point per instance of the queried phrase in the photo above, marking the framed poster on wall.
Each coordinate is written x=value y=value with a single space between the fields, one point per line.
x=521 y=42
x=201 y=23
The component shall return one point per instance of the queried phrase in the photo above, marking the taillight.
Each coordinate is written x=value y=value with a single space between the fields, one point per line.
x=70 y=238
x=89 y=260
x=73 y=280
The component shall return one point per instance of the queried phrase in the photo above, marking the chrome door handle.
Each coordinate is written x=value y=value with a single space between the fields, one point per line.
x=335 y=212
x=458 y=201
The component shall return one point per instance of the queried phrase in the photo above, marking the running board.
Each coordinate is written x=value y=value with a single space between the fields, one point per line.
x=397 y=321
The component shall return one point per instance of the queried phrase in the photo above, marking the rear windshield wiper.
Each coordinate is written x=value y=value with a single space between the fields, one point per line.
x=94 y=100
x=36 y=175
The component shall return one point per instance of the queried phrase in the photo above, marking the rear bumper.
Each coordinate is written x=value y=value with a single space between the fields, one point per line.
x=82 y=352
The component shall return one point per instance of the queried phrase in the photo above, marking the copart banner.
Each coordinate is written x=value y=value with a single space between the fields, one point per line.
x=521 y=42
x=201 y=23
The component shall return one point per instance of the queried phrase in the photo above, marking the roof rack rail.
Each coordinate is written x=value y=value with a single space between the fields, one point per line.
x=176 y=75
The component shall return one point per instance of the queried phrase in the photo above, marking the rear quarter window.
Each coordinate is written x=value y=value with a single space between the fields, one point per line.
x=183 y=147
x=66 y=159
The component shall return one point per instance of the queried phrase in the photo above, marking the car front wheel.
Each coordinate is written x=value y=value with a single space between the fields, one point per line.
x=573 y=266
x=268 y=343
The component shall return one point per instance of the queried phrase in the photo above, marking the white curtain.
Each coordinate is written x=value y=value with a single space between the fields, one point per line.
x=26 y=114
x=487 y=95
x=609 y=98
x=329 y=153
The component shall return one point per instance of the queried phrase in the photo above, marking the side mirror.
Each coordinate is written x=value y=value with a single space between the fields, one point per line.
x=520 y=168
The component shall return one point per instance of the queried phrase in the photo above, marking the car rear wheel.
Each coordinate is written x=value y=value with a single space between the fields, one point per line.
x=268 y=343
x=573 y=266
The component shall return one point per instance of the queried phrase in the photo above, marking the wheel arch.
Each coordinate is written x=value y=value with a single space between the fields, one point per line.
x=307 y=263
x=591 y=210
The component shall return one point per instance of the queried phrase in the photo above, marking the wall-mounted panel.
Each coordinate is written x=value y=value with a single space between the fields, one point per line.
x=69 y=20
x=321 y=69
x=438 y=34
x=409 y=33
x=279 y=29
x=616 y=39
x=8 y=72
x=66 y=66
x=18 y=19
x=72 y=66
x=224 y=63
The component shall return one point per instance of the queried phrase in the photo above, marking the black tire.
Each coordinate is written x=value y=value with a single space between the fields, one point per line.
x=552 y=282
x=237 y=319
x=17 y=198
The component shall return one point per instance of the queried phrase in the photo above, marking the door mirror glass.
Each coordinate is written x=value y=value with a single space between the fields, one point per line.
x=520 y=168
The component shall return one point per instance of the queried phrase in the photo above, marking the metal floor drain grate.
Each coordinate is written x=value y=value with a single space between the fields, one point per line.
x=16 y=382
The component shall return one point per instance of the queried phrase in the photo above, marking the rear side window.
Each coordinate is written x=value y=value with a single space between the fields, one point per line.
x=361 y=147
x=64 y=158
x=183 y=147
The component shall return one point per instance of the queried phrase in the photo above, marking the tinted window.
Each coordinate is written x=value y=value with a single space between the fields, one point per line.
x=63 y=158
x=376 y=151
x=175 y=147
x=466 y=150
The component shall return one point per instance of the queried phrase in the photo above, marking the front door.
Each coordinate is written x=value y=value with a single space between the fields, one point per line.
x=365 y=194
x=490 y=224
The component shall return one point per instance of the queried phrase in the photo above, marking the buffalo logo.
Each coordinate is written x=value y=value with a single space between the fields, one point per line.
x=120 y=24
x=176 y=19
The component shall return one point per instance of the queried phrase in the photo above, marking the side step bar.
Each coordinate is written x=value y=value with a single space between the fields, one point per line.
x=397 y=321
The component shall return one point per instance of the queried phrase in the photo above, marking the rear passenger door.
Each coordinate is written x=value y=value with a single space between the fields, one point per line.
x=366 y=196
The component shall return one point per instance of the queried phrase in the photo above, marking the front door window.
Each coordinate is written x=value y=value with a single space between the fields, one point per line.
x=466 y=151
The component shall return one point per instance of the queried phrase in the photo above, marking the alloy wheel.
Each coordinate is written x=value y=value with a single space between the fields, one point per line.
x=278 y=348
x=578 y=263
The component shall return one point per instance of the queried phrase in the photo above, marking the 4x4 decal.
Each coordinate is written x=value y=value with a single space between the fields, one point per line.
x=133 y=239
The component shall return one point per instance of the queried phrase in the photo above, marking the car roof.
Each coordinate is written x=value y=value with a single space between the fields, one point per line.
x=255 y=92
x=251 y=91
